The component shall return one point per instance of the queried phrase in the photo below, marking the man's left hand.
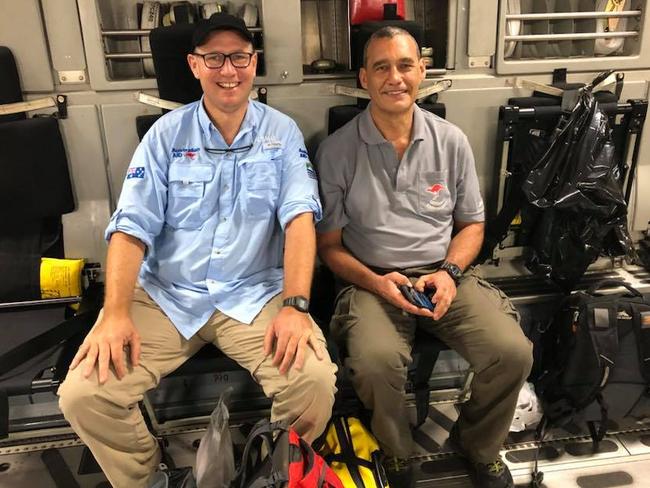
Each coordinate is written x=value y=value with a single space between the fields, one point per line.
x=292 y=332
x=445 y=291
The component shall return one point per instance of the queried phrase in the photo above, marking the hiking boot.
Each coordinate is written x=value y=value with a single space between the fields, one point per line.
x=491 y=475
x=399 y=472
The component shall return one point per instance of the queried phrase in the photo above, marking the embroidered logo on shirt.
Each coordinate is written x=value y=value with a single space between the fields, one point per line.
x=271 y=142
x=311 y=172
x=136 y=172
x=438 y=199
x=303 y=153
x=185 y=152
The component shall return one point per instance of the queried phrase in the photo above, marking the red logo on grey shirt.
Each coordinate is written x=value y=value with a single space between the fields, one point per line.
x=438 y=198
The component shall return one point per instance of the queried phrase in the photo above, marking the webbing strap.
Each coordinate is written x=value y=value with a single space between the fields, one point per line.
x=598 y=435
x=262 y=431
x=275 y=480
x=4 y=414
x=537 y=476
x=641 y=321
x=428 y=355
x=347 y=450
x=604 y=336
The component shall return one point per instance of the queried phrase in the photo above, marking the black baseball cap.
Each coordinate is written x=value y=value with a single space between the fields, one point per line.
x=219 y=21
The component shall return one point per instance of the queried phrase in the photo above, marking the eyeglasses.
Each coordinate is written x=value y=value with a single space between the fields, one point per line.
x=217 y=60
x=234 y=150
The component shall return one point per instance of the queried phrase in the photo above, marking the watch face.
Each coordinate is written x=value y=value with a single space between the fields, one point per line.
x=453 y=270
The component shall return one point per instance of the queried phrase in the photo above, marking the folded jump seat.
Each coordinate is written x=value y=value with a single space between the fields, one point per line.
x=39 y=335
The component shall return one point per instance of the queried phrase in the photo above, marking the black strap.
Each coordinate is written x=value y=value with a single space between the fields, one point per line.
x=537 y=476
x=58 y=469
x=498 y=228
x=620 y=79
x=642 y=338
x=428 y=355
x=274 y=480
x=613 y=283
x=559 y=76
x=4 y=414
x=260 y=433
x=598 y=435
x=347 y=450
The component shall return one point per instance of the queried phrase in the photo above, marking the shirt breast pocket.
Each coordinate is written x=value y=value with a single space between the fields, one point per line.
x=435 y=198
x=186 y=187
x=262 y=183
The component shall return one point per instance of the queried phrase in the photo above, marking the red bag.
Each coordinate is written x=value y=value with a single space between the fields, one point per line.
x=369 y=10
x=290 y=461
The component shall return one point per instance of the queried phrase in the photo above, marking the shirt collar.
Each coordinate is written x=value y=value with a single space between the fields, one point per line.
x=371 y=135
x=249 y=124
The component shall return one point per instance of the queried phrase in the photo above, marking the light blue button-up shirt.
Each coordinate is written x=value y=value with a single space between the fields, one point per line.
x=213 y=222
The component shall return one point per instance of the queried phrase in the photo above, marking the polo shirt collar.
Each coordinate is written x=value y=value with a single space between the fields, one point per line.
x=371 y=135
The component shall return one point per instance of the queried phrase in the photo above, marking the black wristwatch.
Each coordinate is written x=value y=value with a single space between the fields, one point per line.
x=452 y=270
x=299 y=302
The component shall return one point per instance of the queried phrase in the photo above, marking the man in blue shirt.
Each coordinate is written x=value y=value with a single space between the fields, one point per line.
x=216 y=223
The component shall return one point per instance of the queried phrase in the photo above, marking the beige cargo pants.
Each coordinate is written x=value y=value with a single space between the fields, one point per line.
x=107 y=417
x=481 y=325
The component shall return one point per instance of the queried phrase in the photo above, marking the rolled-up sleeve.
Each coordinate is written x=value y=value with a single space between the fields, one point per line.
x=141 y=208
x=299 y=187
x=332 y=187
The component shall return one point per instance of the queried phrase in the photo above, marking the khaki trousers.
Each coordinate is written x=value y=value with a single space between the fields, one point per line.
x=107 y=417
x=481 y=325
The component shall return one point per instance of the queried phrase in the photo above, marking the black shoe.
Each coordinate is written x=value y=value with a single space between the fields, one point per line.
x=399 y=472
x=491 y=475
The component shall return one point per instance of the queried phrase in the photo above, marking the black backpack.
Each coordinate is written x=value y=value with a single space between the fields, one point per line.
x=595 y=359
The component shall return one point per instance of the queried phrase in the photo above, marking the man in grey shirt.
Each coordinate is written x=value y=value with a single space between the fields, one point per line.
x=402 y=207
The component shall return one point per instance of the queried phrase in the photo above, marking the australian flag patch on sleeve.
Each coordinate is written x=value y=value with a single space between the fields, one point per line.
x=136 y=172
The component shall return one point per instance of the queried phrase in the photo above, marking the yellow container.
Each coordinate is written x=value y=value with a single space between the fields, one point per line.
x=61 y=277
x=356 y=449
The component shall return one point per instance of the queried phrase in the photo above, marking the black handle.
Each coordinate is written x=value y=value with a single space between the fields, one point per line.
x=601 y=284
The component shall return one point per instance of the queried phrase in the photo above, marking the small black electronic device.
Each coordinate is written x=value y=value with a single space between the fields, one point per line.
x=418 y=298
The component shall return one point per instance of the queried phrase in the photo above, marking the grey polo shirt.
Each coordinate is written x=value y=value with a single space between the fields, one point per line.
x=397 y=214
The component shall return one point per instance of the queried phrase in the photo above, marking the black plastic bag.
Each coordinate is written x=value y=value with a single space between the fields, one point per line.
x=578 y=185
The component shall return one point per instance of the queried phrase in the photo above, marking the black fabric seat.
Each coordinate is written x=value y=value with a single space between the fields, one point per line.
x=35 y=191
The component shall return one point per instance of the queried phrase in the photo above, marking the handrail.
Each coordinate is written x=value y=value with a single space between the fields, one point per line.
x=145 y=32
x=571 y=37
x=574 y=15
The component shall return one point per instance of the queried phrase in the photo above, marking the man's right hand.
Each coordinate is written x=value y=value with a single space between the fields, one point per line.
x=105 y=344
x=387 y=288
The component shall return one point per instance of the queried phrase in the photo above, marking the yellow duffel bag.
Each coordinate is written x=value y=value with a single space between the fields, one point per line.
x=353 y=454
